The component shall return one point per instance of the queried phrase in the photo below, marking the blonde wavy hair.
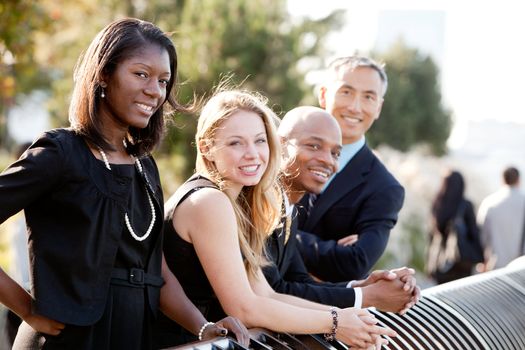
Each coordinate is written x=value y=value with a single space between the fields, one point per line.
x=257 y=208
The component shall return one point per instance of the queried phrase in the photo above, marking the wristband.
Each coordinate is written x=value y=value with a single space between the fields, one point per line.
x=204 y=326
x=331 y=336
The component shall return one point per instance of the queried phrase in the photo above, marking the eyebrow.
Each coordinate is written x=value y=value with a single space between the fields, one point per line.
x=320 y=139
x=348 y=86
x=316 y=138
x=149 y=67
x=263 y=133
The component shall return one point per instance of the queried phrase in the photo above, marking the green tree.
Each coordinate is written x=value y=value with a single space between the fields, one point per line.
x=19 y=72
x=253 y=41
x=413 y=112
x=256 y=42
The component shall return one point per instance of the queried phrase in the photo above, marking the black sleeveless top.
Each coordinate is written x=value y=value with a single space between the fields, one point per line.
x=183 y=260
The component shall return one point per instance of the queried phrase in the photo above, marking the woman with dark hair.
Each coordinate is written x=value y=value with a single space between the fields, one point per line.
x=455 y=235
x=93 y=204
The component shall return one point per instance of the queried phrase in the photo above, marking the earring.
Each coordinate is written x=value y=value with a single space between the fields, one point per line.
x=103 y=93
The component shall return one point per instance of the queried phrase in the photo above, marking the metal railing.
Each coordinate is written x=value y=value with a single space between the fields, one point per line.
x=485 y=312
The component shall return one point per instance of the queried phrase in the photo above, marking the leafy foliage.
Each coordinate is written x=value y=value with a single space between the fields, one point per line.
x=255 y=42
x=412 y=112
x=19 y=72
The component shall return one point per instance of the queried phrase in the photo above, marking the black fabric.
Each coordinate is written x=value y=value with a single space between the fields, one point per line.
x=124 y=324
x=453 y=253
x=469 y=245
x=180 y=255
x=134 y=277
x=288 y=275
x=183 y=261
x=363 y=199
x=74 y=209
x=127 y=318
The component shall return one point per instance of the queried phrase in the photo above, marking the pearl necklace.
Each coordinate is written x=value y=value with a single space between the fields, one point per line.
x=126 y=218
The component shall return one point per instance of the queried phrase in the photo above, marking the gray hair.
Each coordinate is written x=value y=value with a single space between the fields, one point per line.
x=353 y=62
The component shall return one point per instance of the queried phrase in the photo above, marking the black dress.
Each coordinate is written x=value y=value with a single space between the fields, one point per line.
x=183 y=261
x=127 y=318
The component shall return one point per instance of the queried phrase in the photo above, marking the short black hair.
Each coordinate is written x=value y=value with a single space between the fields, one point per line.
x=511 y=176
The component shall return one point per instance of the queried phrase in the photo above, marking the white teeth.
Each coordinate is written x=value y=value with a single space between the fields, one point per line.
x=352 y=119
x=320 y=173
x=250 y=168
x=145 y=107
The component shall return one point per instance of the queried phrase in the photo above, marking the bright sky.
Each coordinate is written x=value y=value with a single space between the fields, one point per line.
x=480 y=46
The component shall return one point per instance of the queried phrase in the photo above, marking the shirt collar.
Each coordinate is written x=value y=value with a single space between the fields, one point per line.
x=288 y=207
x=347 y=153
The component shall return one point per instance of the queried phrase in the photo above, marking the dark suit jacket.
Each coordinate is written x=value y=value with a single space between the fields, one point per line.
x=364 y=199
x=288 y=275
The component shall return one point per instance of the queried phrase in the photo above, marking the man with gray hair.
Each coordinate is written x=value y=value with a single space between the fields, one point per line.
x=345 y=229
x=501 y=218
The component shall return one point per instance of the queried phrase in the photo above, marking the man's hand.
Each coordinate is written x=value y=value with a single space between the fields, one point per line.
x=374 y=277
x=394 y=291
x=407 y=275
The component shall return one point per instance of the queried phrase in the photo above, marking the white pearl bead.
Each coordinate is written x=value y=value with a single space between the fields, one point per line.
x=150 y=201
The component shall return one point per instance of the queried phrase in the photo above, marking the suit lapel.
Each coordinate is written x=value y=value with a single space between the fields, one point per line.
x=280 y=244
x=345 y=181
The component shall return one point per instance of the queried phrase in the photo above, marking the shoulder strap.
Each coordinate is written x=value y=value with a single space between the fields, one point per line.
x=193 y=183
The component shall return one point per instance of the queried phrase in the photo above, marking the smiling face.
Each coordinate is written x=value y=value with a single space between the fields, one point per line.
x=354 y=98
x=239 y=150
x=136 y=89
x=311 y=152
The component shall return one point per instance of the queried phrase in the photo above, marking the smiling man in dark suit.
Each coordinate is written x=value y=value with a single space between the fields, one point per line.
x=311 y=143
x=345 y=230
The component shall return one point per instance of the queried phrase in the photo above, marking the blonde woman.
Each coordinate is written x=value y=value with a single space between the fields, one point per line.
x=217 y=223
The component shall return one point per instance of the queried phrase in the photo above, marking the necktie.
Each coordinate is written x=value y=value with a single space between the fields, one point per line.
x=311 y=202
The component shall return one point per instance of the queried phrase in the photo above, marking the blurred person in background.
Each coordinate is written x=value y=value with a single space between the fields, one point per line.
x=501 y=217
x=455 y=244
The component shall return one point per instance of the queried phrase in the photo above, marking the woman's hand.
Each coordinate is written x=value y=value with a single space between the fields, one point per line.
x=357 y=328
x=231 y=324
x=43 y=324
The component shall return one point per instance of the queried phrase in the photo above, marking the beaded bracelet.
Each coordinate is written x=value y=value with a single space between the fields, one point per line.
x=331 y=336
x=203 y=328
